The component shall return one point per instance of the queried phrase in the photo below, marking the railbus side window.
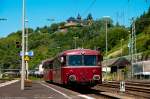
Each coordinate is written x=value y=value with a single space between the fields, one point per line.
x=45 y=65
x=63 y=60
x=56 y=64
x=50 y=66
x=100 y=59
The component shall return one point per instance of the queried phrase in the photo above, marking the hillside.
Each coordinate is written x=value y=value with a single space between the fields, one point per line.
x=143 y=46
x=48 y=41
x=142 y=26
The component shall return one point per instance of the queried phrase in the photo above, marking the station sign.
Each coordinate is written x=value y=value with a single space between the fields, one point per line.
x=26 y=58
x=20 y=54
x=30 y=53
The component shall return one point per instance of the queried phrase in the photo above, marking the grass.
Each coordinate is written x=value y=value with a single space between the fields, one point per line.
x=141 y=38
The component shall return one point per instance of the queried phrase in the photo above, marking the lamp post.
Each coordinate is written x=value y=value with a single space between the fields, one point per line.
x=75 y=42
x=0 y=71
x=23 y=46
x=59 y=48
x=122 y=47
x=3 y=19
x=106 y=41
x=50 y=20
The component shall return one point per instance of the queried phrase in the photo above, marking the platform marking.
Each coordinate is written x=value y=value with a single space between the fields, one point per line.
x=86 y=97
x=56 y=91
x=42 y=97
x=8 y=83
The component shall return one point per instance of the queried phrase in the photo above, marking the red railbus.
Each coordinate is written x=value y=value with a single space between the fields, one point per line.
x=77 y=66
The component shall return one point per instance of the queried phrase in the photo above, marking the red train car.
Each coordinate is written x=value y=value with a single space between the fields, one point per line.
x=48 y=70
x=77 y=66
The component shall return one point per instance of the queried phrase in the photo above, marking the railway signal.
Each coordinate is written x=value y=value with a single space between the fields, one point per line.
x=18 y=45
x=122 y=86
x=26 y=58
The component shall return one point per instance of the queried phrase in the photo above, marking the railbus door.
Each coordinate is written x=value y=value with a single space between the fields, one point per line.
x=57 y=71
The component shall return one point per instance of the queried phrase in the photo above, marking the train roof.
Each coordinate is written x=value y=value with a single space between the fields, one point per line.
x=72 y=52
x=80 y=52
x=47 y=61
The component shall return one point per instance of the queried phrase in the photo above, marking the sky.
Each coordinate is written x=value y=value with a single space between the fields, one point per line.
x=38 y=11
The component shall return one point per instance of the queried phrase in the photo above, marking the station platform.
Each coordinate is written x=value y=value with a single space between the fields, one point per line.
x=37 y=91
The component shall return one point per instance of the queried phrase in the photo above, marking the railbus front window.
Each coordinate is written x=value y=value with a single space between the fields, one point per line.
x=75 y=60
x=82 y=60
x=89 y=60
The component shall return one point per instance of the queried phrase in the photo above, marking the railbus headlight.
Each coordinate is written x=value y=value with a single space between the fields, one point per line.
x=72 y=78
x=96 y=77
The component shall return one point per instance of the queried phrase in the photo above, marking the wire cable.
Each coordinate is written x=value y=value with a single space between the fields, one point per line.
x=90 y=6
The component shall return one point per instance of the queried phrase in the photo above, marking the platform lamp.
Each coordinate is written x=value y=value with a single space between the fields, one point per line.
x=23 y=46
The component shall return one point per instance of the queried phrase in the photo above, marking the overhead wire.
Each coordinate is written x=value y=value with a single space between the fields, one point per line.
x=89 y=7
x=144 y=0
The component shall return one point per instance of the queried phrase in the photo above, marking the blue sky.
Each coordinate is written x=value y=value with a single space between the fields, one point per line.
x=37 y=11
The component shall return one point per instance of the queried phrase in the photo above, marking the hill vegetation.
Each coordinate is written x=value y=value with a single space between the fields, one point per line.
x=48 y=41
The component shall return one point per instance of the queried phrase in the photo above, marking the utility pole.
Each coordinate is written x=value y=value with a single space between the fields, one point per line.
x=130 y=48
x=106 y=48
x=133 y=47
x=122 y=47
x=26 y=48
x=106 y=43
x=134 y=39
x=23 y=46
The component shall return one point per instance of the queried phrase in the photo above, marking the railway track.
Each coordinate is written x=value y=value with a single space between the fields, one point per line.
x=110 y=90
x=99 y=94
x=134 y=83
x=132 y=88
x=96 y=93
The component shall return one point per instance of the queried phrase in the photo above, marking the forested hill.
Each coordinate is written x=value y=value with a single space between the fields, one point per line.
x=48 y=41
